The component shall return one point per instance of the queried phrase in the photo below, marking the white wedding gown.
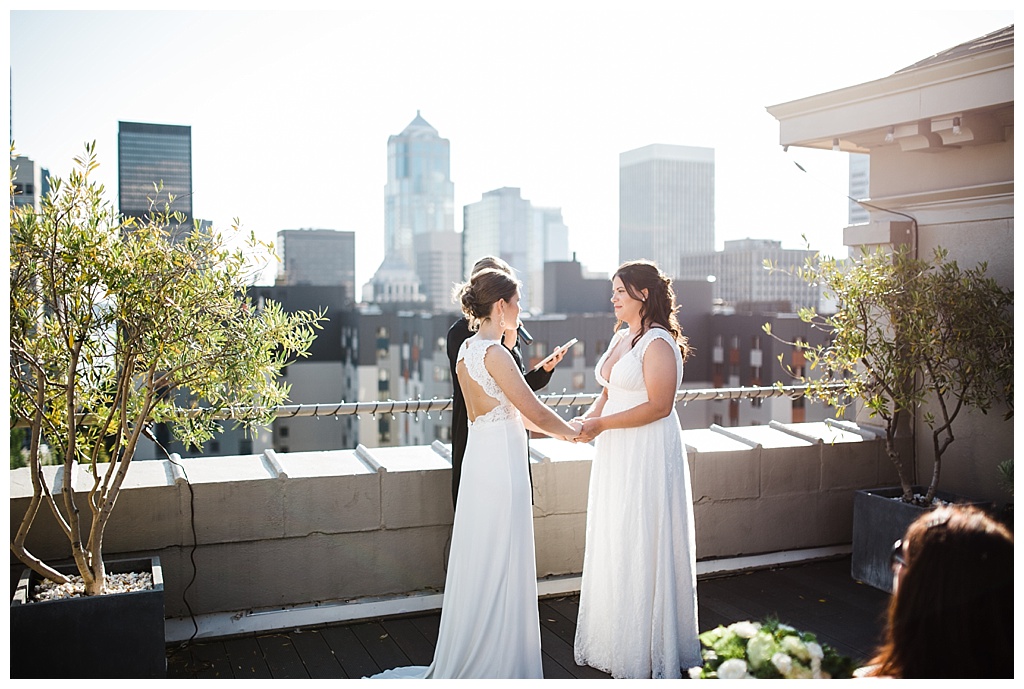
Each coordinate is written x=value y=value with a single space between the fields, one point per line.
x=638 y=598
x=490 y=626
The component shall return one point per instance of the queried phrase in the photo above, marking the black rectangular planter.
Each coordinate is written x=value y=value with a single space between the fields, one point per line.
x=879 y=518
x=116 y=635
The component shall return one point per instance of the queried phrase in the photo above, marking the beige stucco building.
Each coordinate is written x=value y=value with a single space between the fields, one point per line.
x=939 y=134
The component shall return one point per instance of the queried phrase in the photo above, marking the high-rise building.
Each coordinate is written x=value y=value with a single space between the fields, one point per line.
x=152 y=156
x=666 y=204
x=439 y=267
x=860 y=188
x=31 y=182
x=419 y=199
x=504 y=224
x=323 y=258
x=740 y=282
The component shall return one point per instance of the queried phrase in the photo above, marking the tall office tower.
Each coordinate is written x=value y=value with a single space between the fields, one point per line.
x=666 y=204
x=501 y=224
x=154 y=154
x=439 y=267
x=31 y=182
x=322 y=258
x=551 y=244
x=419 y=199
x=860 y=187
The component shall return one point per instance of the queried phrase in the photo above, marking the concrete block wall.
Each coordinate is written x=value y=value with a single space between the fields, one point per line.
x=274 y=531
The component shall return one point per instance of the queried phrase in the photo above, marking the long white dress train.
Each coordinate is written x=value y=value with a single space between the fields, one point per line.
x=490 y=625
x=638 y=598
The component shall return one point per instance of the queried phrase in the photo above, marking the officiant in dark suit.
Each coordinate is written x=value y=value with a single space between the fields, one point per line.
x=513 y=341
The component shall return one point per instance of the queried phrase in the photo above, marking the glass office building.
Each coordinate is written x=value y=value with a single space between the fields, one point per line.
x=666 y=204
x=419 y=195
x=154 y=154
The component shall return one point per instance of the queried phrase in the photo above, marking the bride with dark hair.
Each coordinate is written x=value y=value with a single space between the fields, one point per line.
x=638 y=598
x=490 y=626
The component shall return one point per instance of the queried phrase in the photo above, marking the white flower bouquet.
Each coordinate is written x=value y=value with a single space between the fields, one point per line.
x=767 y=650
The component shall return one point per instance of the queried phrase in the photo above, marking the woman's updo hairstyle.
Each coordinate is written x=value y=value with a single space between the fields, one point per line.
x=492 y=262
x=478 y=296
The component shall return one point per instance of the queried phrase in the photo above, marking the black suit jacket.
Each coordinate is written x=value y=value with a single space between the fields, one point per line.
x=457 y=334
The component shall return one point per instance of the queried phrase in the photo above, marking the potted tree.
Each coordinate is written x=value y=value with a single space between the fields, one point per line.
x=112 y=320
x=907 y=334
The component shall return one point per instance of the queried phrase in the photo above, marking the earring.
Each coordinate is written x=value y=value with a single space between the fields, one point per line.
x=502 y=323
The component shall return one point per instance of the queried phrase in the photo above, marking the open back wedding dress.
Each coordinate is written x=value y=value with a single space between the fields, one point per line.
x=490 y=627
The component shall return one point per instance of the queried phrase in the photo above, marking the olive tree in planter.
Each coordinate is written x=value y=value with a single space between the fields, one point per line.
x=110 y=318
x=909 y=334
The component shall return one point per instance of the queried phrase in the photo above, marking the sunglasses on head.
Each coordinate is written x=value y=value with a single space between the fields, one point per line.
x=896 y=556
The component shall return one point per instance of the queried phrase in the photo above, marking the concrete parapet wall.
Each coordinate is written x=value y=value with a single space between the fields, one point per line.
x=274 y=531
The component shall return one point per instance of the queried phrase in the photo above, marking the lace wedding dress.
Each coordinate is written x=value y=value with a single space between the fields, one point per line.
x=490 y=627
x=638 y=598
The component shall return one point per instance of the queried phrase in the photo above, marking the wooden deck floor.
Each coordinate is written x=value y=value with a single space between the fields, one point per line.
x=818 y=597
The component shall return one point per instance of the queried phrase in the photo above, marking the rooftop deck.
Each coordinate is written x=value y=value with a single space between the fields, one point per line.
x=818 y=597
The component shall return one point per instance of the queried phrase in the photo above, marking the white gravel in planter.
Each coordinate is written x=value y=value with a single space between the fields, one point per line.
x=115 y=583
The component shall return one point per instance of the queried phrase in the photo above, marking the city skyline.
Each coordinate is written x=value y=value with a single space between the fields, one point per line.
x=274 y=98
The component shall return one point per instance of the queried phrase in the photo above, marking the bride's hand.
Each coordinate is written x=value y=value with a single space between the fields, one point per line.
x=588 y=434
x=577 y=426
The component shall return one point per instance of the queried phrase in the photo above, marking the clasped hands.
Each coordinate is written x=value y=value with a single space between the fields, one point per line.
x=586 y=429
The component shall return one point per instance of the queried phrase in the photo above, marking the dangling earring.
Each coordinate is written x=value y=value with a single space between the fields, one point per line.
x=502 y=323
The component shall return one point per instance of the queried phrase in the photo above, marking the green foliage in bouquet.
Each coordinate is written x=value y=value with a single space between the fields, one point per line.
x=768 y=650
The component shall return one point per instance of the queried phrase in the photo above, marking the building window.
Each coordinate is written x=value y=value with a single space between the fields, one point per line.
x=384 y=429
x=383 y=342
x=579 y=381
x=578 y=351
x=443 y=433
x=539 y=350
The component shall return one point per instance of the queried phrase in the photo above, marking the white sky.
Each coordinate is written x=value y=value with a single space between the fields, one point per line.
x=291 y=110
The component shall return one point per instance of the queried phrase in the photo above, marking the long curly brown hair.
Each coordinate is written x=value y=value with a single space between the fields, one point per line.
x=659 y=307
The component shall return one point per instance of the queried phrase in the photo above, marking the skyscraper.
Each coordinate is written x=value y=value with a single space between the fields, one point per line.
x=31 y=182
x=154 y=154
x=504 y=224
x=419 y=199
x=860 y=187
x=501 y=224
x=666 y=204
x=322 y=258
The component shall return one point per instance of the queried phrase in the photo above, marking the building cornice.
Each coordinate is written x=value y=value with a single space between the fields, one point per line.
x=860 y=115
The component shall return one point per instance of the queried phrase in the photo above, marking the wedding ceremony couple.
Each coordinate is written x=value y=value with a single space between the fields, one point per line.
x=638 y=598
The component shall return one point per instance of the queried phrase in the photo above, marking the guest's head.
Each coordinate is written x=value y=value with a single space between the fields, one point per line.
x=951 y=612
x=646 y=300
x=490 y=294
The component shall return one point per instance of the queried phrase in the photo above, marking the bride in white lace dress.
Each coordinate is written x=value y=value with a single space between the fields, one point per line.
x=638 y=598
x=490 y=626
